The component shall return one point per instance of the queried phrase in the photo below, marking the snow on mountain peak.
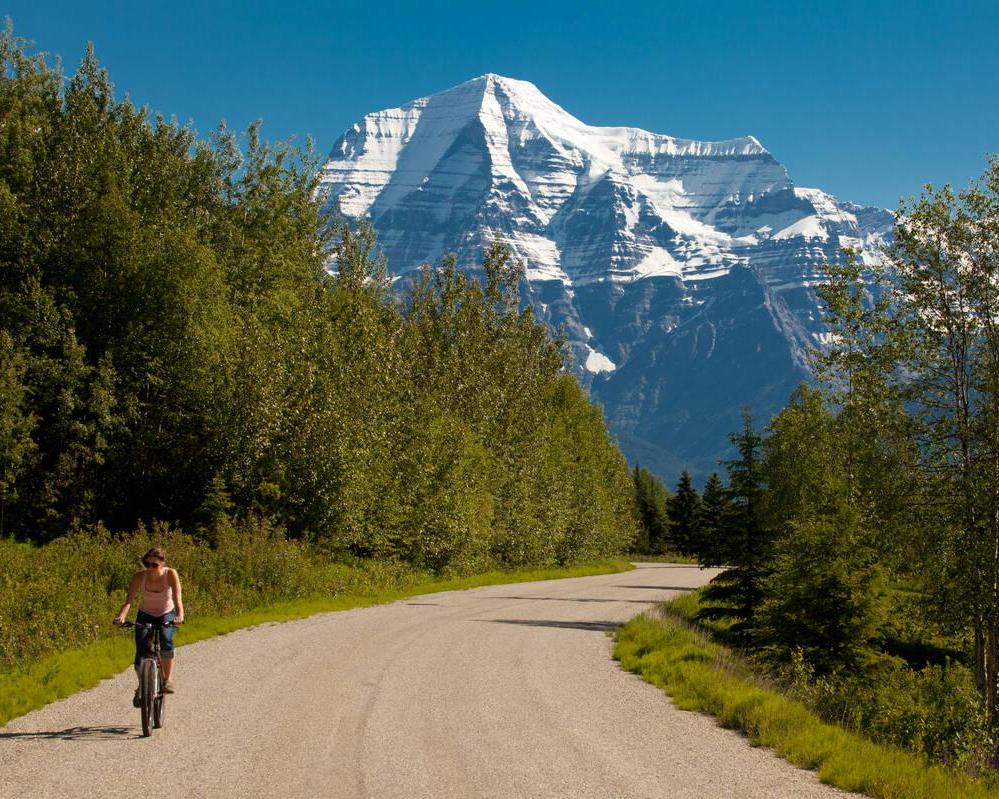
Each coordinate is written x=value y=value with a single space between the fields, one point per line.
x=494 y=157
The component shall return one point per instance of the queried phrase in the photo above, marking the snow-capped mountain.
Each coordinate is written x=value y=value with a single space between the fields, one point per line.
x=683 y=271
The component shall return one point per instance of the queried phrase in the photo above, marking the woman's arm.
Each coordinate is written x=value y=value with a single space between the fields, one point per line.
x=178 y=599
x=133 y=589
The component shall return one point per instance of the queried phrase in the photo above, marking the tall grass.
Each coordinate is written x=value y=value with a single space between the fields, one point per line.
x=64 y=594
x=702 y=675
x=57 y=601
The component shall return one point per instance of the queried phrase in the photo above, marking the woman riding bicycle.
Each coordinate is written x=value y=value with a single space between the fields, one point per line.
x=161 y=603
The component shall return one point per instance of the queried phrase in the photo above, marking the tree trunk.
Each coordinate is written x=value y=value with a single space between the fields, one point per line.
x=991 y=669
x=980 y=656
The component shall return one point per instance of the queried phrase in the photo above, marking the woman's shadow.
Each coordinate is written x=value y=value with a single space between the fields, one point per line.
x=75 y=734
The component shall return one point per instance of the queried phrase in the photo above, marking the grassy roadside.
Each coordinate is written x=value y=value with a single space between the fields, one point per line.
x=704 y=676
x=34 y=684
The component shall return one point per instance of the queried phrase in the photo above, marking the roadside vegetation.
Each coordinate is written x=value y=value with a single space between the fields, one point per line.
x=858 y=532
x=194 y=352
x=700 y=674
x=57 y=600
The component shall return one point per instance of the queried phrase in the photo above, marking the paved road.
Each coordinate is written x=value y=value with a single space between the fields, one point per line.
x=506 y=691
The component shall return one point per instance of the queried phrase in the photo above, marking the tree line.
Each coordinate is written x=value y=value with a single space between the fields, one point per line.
x=859 y=529
x=174 y=347
x=681 y=522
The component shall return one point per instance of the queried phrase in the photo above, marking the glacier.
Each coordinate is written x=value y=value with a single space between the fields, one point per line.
x=683 y=272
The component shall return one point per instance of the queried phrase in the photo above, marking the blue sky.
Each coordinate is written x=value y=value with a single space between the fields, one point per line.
x=867 y=100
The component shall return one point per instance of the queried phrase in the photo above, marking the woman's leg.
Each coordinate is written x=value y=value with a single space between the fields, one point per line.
x=166 y=646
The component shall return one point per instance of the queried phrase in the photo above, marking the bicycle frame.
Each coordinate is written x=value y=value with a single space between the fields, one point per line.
x=150 y=672
x=153 y=646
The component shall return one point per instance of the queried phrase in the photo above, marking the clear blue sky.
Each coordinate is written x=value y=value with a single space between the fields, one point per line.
x=867 y=100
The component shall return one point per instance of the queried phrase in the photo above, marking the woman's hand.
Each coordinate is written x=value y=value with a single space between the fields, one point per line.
x=179 y=619
x=119 y=620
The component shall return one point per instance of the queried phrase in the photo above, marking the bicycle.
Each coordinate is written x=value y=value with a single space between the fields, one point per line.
x=152 y=699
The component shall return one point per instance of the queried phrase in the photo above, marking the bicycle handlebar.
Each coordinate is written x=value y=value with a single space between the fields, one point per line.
x=149 y=625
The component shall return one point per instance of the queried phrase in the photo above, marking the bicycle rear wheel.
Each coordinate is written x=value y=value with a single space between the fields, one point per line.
x=147 y=690
x=159 y=704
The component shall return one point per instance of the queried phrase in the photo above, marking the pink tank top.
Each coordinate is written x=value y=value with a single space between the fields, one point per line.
x=156 y=603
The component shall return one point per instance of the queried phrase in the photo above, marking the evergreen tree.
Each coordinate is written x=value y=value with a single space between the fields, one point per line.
x=652 y=502
x=744 y=542
x=822 y=598
x=685 y=516
x=714 y=505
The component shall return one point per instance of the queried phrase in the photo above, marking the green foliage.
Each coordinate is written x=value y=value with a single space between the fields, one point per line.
x=652 y=504
x=822 y=597
x=52 y=646
x=16 y=425
x=63 y=594
x=744 y=540
x=685 y=516
x=875 y=449
x=945 y=259
x=173 y=347
x=700 y=674
x=935 y=711
x=914 y=370
x=714 y=507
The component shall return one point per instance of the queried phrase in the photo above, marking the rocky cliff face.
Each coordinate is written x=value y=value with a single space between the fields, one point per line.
x=682 y=271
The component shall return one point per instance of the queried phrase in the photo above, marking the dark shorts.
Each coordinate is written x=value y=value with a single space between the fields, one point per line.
x=166 y=634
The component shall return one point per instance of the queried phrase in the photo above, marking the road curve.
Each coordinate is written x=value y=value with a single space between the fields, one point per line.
x=505 y=691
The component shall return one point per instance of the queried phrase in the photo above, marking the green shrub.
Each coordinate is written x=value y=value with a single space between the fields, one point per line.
x=935 y=711
x=64 y=594
x=702 y=675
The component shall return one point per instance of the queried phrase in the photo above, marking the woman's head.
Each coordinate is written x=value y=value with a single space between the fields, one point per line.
x=154 y=558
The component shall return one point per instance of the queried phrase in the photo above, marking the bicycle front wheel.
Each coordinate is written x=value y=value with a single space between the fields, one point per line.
x=159 y=703
x=147 y=690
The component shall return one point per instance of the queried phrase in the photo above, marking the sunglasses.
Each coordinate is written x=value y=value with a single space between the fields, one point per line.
x=151 y=564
